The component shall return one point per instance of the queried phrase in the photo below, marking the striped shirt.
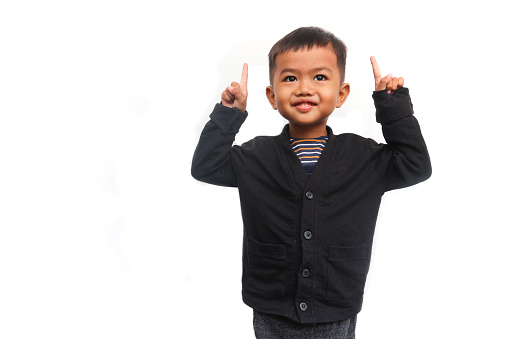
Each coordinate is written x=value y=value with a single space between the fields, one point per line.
x=308 y=151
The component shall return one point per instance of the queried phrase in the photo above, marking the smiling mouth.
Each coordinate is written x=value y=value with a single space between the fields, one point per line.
x=304 y=106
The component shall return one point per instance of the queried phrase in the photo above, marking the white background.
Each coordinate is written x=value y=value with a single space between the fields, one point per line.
x=104 y=233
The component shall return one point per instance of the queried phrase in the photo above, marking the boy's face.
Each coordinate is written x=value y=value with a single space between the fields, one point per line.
x=306 y=89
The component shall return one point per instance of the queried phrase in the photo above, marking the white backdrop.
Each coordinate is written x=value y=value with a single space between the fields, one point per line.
x=104 y=233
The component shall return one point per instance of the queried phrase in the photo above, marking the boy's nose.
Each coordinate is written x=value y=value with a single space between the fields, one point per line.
x=305 y=88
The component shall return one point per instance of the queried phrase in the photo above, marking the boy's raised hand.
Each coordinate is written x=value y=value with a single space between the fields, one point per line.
x=388 y=82
x=236 y=94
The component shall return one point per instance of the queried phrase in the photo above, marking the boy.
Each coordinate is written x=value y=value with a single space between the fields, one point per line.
x=309 y=216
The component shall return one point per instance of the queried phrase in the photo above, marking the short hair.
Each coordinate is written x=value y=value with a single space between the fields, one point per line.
x=308 y=37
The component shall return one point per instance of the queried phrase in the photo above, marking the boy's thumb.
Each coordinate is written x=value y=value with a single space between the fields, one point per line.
x=386 y=79
x=234 y=88
x=383 y=82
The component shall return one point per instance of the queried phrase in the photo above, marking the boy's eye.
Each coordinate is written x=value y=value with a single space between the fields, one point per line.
x=320 y=77
x=290 y=78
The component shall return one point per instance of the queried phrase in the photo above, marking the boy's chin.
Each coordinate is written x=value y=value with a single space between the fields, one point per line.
x=311 y=123
x=303 y=125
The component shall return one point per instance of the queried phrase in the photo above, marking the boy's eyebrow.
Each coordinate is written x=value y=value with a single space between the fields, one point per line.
x=317 y=69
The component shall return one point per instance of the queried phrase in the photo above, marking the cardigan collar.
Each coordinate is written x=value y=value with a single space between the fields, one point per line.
x=298 y=172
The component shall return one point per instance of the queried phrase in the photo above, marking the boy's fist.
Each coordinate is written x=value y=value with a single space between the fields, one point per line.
x=236 y=94
x=388 y=82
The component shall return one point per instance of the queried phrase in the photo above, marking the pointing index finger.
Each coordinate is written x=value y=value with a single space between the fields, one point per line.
x=376 y=69
x=243 y=78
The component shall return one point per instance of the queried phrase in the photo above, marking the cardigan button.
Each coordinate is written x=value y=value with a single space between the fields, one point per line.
x=308 y=235
x=309 y=195
x=305 y=273
x=303 y=307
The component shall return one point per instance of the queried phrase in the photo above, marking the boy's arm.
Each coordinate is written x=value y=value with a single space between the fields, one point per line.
x=212 y=160
x=404 y=160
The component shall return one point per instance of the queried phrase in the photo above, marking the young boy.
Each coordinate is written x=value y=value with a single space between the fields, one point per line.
x=309 y=198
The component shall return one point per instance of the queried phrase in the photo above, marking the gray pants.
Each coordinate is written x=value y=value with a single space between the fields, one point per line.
x=268 y=326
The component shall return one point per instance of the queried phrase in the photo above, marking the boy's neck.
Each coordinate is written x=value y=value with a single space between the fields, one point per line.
x=305 y=132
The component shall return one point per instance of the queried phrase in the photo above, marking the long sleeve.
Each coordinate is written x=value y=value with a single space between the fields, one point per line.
x=212 y=157
x=404 y=160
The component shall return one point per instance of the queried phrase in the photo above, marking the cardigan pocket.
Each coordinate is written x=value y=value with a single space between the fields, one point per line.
x=347 y=268
x=266 y=267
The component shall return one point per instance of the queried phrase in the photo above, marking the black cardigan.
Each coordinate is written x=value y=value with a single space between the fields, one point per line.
x=307 y=242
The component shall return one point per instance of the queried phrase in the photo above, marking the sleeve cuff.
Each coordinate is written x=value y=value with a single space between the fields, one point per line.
x=227 y=119
x=392 y=107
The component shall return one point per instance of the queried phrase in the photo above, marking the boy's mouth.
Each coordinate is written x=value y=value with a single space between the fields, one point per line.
x=304 y=105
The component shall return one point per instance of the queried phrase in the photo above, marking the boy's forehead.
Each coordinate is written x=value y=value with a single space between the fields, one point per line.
x=315 y=57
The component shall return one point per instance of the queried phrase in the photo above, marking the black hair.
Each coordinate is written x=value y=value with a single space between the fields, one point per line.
x=308 y=37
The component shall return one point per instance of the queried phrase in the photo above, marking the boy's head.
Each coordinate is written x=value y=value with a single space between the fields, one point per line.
x=307 y=79
x=307 y=38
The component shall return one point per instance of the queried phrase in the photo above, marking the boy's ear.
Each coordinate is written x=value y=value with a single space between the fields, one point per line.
x=344 y=90
x=271 y=96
